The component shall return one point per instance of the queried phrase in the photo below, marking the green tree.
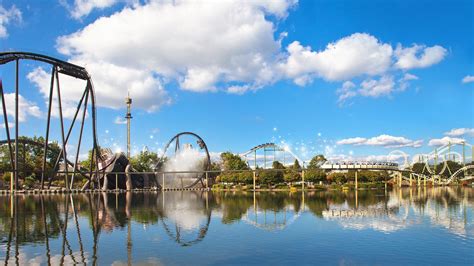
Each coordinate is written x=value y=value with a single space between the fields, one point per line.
x=314 y=175
x=293 y=173
x=145 y=161
x=232 y=161
x=338 y=178
x=316 y=161
x=271 y=177
x=296 y=165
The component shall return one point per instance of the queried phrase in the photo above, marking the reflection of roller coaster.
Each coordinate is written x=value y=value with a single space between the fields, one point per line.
x=268 y=147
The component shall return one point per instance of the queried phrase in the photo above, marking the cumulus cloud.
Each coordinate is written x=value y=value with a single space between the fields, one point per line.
x=445 y=141
x=384 y=140
x=231 y=47
x=7 y=16
x=346 y=91
x=468 y=79
x=418 y=56
x=197 y=44
x=368 y=88
x=72 y=90
x=351 y=56
x=27 y=108
x=352 y=141
x=81 y=8
x=458 y=132
x=404 y=82
x=376 y=88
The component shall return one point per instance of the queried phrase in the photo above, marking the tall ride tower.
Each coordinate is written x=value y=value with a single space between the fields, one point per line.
x=128 y=116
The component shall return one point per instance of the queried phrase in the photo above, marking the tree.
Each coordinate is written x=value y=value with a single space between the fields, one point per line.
x=316 y=161
x=272 y=177
x=296 y=165
x=293 y=173
x=338 y=178
x=145 y=161
x=315 y=175
x=232 y=161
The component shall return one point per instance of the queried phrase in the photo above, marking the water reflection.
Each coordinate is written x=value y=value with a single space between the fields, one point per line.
x=86 y=228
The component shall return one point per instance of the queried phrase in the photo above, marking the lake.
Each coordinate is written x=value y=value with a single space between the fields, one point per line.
x=401 y=226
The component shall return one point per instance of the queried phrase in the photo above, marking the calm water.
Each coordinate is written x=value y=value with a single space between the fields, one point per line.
x=432 y=226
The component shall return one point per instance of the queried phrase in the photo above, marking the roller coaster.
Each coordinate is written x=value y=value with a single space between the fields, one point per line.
x=267 y=148
x=104 y=165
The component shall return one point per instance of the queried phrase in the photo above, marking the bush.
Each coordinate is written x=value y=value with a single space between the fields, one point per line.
x=291 y=176
x=29 y=181
x=314 y=175
x=245 y=178
x=270 y=177
x=338 y=178
x=281 y=186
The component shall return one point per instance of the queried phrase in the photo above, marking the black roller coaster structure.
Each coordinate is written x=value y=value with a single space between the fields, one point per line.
x=86 y=102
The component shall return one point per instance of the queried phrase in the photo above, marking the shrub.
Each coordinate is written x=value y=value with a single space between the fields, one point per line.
x=29 y=181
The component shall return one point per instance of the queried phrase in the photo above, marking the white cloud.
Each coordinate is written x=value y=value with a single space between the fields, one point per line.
x=458 y=132
x=27 y=108
x=376 y=88
x=384 y=140
x=352 y=141
x=418 y=56
x=6 y=17
x=71 y=91
x=445 y=141
x=120 y=121
x=404 y=81
x=468 y=79
x=346 y=92
x=82 y=8
x=409 y=76
x=368 y=88
x=198 y=44
x=351 y=56
x=230 y=46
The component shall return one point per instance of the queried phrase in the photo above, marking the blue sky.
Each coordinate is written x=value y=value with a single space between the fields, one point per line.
x=345 y=78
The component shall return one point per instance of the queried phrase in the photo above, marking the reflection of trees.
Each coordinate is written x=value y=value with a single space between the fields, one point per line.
x=185 y=216
x=233 y=205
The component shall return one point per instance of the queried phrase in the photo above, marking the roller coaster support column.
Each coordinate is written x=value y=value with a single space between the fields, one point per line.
x=163 y=183
x=12 y=181
x=424 y=181
x=400 y=179
x=254 y=179
x=449 y=151
x=255 y=159
x=16 y=122
x=207 y=180
x=463 y=153
x=419 y=181
x=302 y=178
x=264 y=158
x=356 y=185
x=410 y=178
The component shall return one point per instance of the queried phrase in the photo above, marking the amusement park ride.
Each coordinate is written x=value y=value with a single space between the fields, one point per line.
x=113 y=171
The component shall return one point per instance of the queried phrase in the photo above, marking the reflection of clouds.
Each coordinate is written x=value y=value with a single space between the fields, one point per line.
x=385 y=226
x=24 y=259
x=184 y=209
